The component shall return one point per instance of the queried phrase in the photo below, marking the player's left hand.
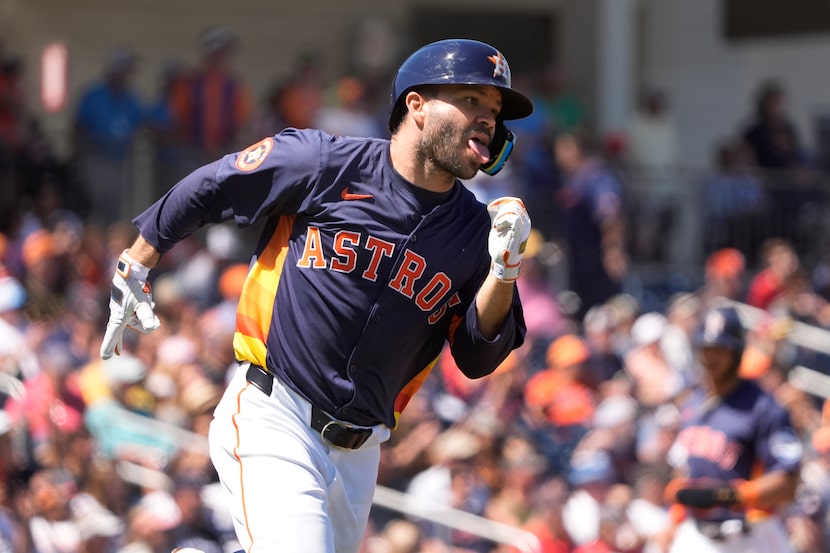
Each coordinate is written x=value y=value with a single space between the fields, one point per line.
x=508 y=237
x=131 y=304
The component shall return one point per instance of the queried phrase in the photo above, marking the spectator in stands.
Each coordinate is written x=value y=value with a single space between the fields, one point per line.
x=591 y=478
x=347 y=113
x=521 y=471
x=771 y=133
x=45 y=279
x=734 y=200
x=647 y=511
x=780 y=267
x=106 y=122
x=604 y=362
x=452 y=480
x=655 y=380
x=544 y=520
x=595 y=225
x=556 y=99
x=100 y=529
x=14 y=129
x=724 y=277
x=399 y=535
x=13 y=106
x=52 y=526
x=682 y=312
x=212 y=107
x=195 y=528
x=544 y=316
x=13 y=536
x=51 y=402
x=117 y=422
x=294 y=101
x=652 y=151
x=653 y=143
x=17 y=359
x=624 y=309
x=151 y=521
x=560 y=390
x=167 y=144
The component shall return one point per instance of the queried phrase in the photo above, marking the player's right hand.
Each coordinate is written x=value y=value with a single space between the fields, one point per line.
x=508 y=237
x=131 y=304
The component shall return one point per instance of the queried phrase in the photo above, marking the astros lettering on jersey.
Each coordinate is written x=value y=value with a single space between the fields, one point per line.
x=340 y=233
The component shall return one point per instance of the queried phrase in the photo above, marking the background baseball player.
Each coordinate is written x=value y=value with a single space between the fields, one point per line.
x=737 y=453
x=372 y=256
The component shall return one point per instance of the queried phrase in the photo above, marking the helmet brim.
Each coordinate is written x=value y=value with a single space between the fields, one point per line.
x=515 y=105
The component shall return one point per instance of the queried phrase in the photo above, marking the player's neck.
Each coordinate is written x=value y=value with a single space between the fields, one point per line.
x=724 y=386
x=401 y=153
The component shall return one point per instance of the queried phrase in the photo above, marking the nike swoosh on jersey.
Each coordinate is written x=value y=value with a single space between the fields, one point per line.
x=346 y=195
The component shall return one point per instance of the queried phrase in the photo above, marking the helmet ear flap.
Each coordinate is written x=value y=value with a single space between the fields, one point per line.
x=500 y=148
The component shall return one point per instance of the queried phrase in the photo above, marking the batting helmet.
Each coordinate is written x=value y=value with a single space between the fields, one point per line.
x=721 y=327
x=458 y=61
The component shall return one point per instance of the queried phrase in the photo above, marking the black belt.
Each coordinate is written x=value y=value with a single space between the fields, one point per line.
x=722 y=530
x=337 y=433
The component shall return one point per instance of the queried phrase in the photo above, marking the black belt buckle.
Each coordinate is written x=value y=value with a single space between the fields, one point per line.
x=341 y=435
x=724 y=530
x=335 y=432
x=338 y=433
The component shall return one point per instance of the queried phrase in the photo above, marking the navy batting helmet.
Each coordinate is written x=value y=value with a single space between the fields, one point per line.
x=721 y=327
x=458 y=61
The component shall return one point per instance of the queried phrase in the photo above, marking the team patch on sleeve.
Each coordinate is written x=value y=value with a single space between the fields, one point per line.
x=785 y=446
x=253 y=156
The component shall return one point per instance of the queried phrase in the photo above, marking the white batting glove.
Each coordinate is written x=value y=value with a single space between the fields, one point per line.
x=508 y=237
x=131 y=304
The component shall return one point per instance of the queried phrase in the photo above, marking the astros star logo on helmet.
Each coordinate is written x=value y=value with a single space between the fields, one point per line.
x=501 y=68
x=713 y=326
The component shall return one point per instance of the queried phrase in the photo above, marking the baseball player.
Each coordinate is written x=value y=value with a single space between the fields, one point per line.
x=372 y=256
x=737 y=453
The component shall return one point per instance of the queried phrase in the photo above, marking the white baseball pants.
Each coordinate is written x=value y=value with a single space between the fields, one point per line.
x=288 y=491
x=766 y=536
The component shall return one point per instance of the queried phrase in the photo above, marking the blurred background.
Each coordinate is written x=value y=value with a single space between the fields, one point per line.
x=666 y=88
x=679 y=153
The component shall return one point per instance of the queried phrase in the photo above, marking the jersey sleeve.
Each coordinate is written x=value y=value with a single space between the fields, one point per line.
x=275 y=176
x=477 y=356
x=778 y=445
x=268 y=178
x=606 y=203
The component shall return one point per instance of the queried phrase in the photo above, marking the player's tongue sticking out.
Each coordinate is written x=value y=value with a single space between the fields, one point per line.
x=480 y=150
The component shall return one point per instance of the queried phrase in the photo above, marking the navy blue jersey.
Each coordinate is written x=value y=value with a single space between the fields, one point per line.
x=738 y=437
x=359 y=277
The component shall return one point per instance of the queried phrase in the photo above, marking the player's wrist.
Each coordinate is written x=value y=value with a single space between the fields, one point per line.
x=127 y=267
x=506 y=272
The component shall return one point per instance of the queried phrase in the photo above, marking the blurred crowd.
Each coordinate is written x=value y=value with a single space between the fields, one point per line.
x=568 y=440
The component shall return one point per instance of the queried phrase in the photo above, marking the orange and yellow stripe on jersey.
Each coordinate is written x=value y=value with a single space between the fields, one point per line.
x=411 y=389
x=256 y=304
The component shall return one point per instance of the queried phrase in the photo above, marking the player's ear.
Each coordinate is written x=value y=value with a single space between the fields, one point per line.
x=415 y=103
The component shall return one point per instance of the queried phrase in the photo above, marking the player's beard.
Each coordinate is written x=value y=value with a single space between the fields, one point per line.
x=444 y=146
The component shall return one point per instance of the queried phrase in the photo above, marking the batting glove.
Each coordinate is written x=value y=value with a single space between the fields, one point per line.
x=508 y=237
x=131 y=304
